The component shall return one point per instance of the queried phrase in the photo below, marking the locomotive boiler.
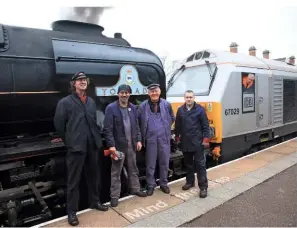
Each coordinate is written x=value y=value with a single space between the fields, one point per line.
x=36 y=67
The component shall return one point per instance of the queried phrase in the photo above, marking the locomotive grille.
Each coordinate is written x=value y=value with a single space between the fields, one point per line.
x=277 y=101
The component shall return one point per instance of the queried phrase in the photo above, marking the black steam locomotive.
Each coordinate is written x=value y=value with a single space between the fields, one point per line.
x=36 y=67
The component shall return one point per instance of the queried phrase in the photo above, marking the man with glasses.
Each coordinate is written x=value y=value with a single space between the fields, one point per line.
x=75 y=122
x=192 y=130
x=122 y=134
x=156 y=117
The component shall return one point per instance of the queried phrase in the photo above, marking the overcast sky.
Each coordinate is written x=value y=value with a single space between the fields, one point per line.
x=179 y=28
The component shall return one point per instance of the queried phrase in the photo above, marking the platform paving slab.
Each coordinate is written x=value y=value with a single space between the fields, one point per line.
x=186 y=211
x=267 y=156
x=283 y=149
x=236 y=169
x=281 y=164
x=222 y=193
x=139 y=208
x=185 y=195
x=95 y=218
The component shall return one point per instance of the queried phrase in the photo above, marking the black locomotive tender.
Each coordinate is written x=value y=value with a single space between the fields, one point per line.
x=36 y=67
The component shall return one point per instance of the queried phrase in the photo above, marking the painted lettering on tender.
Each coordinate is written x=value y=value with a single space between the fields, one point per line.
x=142 y=211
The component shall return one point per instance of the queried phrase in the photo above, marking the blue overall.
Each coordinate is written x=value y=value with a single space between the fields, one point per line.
x=157 y=146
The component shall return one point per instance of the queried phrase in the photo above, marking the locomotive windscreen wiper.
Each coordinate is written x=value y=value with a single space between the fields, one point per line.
x=170 y=82
x=212 y=75
x=209 y=70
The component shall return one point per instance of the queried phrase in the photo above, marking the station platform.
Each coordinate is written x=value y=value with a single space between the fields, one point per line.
x=180 y=207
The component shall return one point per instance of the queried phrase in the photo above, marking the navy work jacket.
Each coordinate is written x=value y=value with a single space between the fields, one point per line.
x=114 y=129
x=192 y=126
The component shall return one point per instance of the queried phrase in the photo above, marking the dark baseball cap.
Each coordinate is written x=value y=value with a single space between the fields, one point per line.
x=125 y=87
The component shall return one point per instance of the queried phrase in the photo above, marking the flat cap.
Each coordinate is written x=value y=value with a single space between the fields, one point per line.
x=153 y=86
x=78 y=75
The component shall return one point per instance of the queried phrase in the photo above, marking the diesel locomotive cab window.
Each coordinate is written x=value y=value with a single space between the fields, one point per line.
x=248 y=92
x=196 y=78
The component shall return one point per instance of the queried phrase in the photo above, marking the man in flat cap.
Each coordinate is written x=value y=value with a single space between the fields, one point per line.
x=155 y=119
x=75 y=122
x=122 y=133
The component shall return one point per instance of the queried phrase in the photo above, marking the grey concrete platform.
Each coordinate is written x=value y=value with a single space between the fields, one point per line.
x=270 y=204
x=189 y=210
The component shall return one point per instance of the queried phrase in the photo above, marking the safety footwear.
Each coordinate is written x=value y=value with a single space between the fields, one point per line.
x=72 y=219
x=99 y=207
x=114 y=202
x=139 y=193
x=165 y=189
x=203 y=193
x=150 y=191
x=188 y=186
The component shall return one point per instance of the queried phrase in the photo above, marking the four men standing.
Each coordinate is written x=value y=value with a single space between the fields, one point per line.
x=126 y=130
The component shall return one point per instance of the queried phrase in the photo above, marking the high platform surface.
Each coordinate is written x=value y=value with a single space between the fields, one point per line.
x=269 y=204
x=225 y=182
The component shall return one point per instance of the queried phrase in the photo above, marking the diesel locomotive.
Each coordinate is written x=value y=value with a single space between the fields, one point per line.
x=250 y=102
x=36 y=67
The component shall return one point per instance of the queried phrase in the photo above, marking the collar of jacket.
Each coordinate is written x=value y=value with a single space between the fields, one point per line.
x=194 y=105
x=76 y=94
x=150 y=102
x=83 y=98
x=128 y=106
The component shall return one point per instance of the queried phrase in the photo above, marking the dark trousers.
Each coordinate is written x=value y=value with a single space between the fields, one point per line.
x=116 y=168
x=196 y=162
x=78 y=162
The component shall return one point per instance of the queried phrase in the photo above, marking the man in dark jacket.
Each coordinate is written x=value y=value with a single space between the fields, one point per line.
x=192 y=128
x=156 y=118
x=121 y=132
x=75 y=122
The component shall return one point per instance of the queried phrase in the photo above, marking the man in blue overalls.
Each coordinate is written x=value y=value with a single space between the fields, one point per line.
x=155 y=119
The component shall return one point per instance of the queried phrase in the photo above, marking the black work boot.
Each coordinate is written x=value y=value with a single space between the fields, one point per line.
x=150 y=191
x=139 y=193
x=99 y=207
x=188 y=186
x=114 y=202
x=165 y=189
x=72 y=219
x=203 y=193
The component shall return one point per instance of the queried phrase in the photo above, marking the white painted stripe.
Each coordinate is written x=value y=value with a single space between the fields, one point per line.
x=172 y=182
